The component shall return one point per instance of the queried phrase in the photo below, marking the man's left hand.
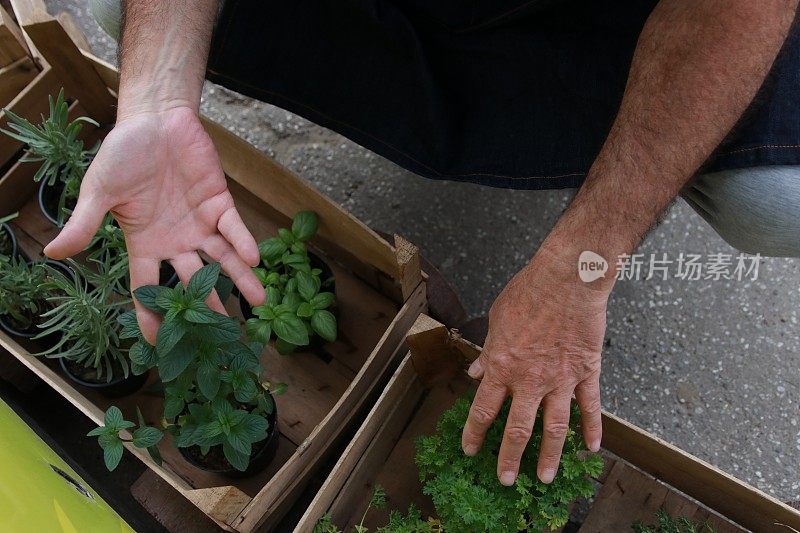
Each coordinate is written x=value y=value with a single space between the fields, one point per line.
x=545 y=337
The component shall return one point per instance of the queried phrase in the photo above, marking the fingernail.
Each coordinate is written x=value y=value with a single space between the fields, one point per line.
x=470 y=449
x=548 y=475
x=475 y=369
x=594 y=446
x=508 y=478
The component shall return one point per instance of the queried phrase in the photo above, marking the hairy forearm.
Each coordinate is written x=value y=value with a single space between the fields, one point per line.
x=696 y=68
x=163 y=54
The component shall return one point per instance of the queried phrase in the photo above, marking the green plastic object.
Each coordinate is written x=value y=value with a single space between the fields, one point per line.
x=40 y=492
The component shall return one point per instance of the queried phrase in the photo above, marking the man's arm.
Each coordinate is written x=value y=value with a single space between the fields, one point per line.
x=696 y=68
x=163 y=54
x=157 y=171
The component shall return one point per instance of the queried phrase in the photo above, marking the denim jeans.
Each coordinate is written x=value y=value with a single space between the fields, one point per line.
x=756 y=210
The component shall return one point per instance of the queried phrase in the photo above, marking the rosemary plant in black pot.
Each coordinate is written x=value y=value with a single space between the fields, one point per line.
x=55 y=144
x=85 y=315
x=23 y=295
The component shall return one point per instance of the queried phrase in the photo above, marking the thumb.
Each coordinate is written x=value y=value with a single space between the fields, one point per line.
x=79 y=230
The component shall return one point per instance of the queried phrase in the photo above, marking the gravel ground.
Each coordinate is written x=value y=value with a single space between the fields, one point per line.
x=711 y=366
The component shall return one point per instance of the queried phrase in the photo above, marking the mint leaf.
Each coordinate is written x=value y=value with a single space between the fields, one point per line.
x=169 y=334
x=112 y=454
x=147 y=436
x=236 y=458
x=174 y=362
x=324 y=324
x=96 y=432
x=202 y=282
x=143 y=357
x=272 y=249
x=199 y=313
x=322 y=300
x=306 y=286
x=113 y=418
x=146 y=296
x=259 y=330
x=130 y=326
x=290 y=329
x=173 y=406
x=224 y=329
x=254 y=427
x=208 y=379
x=304 y=225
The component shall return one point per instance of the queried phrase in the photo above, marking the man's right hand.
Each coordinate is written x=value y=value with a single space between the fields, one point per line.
x=160 y=176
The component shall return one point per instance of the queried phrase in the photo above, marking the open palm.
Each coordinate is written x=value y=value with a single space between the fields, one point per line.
x=160 y=176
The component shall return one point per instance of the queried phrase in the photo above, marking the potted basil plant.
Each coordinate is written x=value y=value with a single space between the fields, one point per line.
x=298 y=311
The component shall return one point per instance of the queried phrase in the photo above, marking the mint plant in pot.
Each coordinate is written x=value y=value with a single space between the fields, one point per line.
x=220 y=414
x=84 y=315
x=299 y=310
x=54 y=143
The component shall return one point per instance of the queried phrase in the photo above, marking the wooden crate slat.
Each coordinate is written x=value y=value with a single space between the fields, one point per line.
x=31 y=103
x=15 y=77
x=629 y=496
x=12 y=42
x=169 y=508
x=61 y=53
x=393 y=407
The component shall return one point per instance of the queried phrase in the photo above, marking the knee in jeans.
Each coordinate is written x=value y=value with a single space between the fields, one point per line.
x=755 y=210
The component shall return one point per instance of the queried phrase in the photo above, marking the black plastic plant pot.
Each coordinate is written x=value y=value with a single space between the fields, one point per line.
x=11 y=249
x=49 y=197
x=9 y=326
x=264 y=453
x=116 y=388
x=316 y=262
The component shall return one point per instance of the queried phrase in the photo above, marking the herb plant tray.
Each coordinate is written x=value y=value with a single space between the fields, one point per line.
x=642 y=473
x=380 y=291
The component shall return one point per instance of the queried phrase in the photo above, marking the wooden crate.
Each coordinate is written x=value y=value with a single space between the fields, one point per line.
x=643 y=473
x=380 y=292
x=17 y=70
